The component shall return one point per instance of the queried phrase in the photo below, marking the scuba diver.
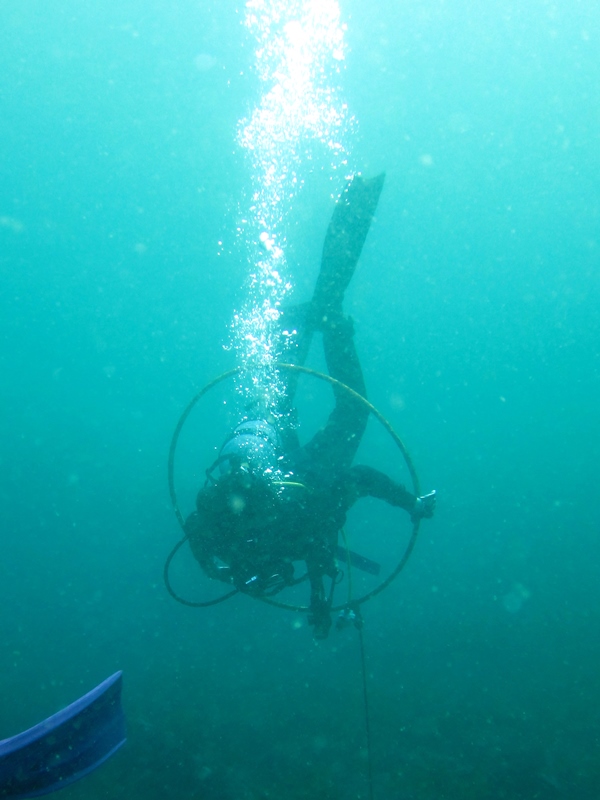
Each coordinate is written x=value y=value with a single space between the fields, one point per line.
x=269 y=502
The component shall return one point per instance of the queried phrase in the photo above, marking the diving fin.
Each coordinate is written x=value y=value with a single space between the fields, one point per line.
x=359 y=562
x=344 y=240
x=66 y=746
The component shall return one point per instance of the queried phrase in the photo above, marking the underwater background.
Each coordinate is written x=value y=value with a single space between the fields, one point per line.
x=476 y=306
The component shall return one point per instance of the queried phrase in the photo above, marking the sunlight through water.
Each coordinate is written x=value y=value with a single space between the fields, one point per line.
x=298 y=57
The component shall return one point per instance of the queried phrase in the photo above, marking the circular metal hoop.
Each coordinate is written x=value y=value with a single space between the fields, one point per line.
x=359 y=398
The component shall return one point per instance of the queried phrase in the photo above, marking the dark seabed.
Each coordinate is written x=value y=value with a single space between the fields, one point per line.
x=476 y=309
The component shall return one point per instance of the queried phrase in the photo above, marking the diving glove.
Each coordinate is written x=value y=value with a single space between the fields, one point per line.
x=424 y=506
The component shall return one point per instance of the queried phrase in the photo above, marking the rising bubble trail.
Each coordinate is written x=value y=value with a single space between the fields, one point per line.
x=299 y=53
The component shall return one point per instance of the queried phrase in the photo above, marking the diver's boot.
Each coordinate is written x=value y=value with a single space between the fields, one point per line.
x=319 y=617
x=319 y=611
x=344 y=241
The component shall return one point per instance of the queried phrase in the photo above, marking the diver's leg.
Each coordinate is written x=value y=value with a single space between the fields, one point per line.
x=320 y=562
x=343 y=244
x=336 y=444
x=344 y=241
x=319 y=612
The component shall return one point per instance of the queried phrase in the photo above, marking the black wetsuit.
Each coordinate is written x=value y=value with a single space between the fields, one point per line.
x=325 y=463
x=245 y=532
x=249 y=535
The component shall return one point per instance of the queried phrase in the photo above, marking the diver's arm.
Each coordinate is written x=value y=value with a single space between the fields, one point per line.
x=368 y=482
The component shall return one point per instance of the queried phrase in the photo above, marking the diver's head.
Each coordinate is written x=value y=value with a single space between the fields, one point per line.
x=254 y=447
x=243 y=479
x=251 y=472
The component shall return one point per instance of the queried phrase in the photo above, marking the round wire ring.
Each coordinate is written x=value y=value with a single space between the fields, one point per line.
x=359 y=398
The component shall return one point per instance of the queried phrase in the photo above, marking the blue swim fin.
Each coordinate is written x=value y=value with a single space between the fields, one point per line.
x=66 y=746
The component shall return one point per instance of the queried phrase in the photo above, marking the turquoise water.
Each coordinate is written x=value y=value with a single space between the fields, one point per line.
x=476 y=311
